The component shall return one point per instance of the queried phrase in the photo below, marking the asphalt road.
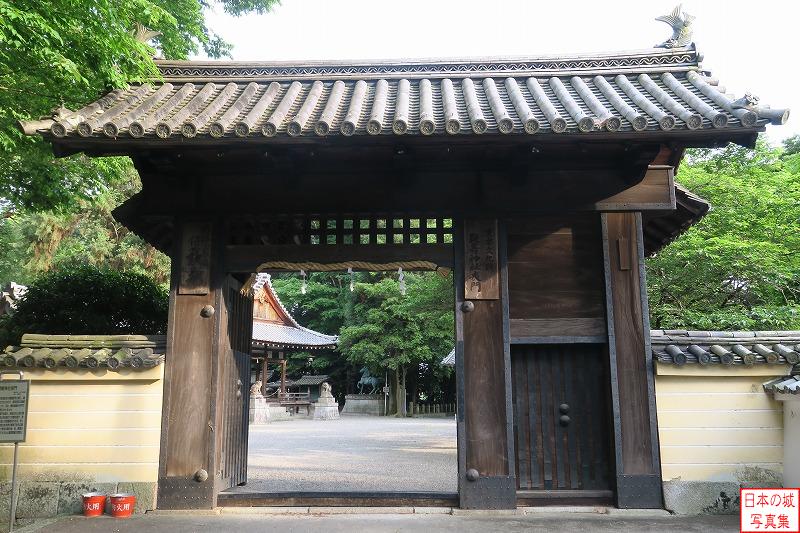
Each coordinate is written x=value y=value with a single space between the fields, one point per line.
x=355 y=453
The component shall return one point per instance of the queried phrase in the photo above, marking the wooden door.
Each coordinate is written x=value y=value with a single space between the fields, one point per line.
x=234 y=386
x=562 y=434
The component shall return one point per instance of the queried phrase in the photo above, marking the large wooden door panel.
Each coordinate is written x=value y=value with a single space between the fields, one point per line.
x=234 y=390
x=562 y=434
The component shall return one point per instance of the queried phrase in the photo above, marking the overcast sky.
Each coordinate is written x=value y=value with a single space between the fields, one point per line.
x=750 y=46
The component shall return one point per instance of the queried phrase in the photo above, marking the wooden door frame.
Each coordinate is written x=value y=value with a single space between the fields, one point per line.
x=637 y=453
x=483 y=491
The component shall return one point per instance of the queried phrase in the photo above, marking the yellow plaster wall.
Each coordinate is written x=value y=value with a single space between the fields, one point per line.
x=716 y=423
x=93 y=425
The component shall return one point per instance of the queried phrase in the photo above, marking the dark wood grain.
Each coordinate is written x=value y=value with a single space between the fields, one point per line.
x=195 y=274
x=630 y=347
x=187 y=440
x=481 y=269
x=567 y=327
x=572 y=457
x=655 y=191
x=484 y=384
x=189 y=347
x=554 y=271
x=235 y=331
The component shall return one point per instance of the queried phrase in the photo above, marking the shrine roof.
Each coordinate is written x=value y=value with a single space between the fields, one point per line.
x=289 y=333
x=629 y=93
x=280 y=336
x=308 y=380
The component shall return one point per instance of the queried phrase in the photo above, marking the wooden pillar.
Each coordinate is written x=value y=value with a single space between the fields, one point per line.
x=186 y=464
x=283 y=376
x=638 y=466
x=264 y=375
x=485 y=453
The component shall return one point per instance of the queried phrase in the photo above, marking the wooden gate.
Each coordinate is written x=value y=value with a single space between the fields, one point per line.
x=236 y=323
x=561 y=419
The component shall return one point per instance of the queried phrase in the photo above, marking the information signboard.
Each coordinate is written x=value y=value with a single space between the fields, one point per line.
x=13 y=410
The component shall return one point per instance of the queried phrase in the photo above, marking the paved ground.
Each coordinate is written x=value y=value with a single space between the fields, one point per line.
x=355 y=453
x=380 y=523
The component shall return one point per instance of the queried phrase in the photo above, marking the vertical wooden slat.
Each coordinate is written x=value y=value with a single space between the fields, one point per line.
x=574 y=457
x=231 y=376
x=557 y=388
x=580 y=393
x=484 y=372
x=524 y=448
x=545 y=379
x=519 y=406
x=569 y=370
x=534 y=420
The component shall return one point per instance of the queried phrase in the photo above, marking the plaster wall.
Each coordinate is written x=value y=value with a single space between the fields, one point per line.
x=87 y=429
x=718 y=430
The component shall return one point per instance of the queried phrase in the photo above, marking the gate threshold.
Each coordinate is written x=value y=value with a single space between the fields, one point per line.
x=242 y=498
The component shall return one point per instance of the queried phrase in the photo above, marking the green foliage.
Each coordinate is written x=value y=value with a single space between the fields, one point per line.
x=389 y=330
x=739 y=268
x=791 y=145
x=34 y=242
x=378 y=327
x=68 y=52
x=83 y=299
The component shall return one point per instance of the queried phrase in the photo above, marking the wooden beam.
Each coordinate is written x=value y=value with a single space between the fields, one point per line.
x=638 y=467
x=655 y=192
x=244 y=258
x=568 y=327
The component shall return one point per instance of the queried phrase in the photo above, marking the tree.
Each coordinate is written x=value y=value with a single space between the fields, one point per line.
x=402 y=333
x=739 y=268
x=83 y=300
x=791 y=145
x=379 y=328
x=35 y=242
x=68 y=52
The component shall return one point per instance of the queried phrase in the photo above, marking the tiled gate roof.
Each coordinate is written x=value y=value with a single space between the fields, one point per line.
x=629 y=92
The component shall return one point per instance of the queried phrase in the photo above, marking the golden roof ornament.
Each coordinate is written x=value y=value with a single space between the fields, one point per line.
x=681 y=24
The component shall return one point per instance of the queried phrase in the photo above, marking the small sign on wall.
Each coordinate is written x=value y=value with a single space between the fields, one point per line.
x=481 y=279
x=13 y=410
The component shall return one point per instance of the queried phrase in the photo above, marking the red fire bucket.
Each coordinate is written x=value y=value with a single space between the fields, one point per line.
x=122 y=505
x=94 y=504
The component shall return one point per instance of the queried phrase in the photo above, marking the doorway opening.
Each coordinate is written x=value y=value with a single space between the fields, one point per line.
x=351 y=383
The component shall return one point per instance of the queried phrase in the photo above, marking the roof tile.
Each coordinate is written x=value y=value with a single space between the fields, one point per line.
x=625 y=92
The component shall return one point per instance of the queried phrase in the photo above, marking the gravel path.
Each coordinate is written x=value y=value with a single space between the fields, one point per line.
x=356 y=453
